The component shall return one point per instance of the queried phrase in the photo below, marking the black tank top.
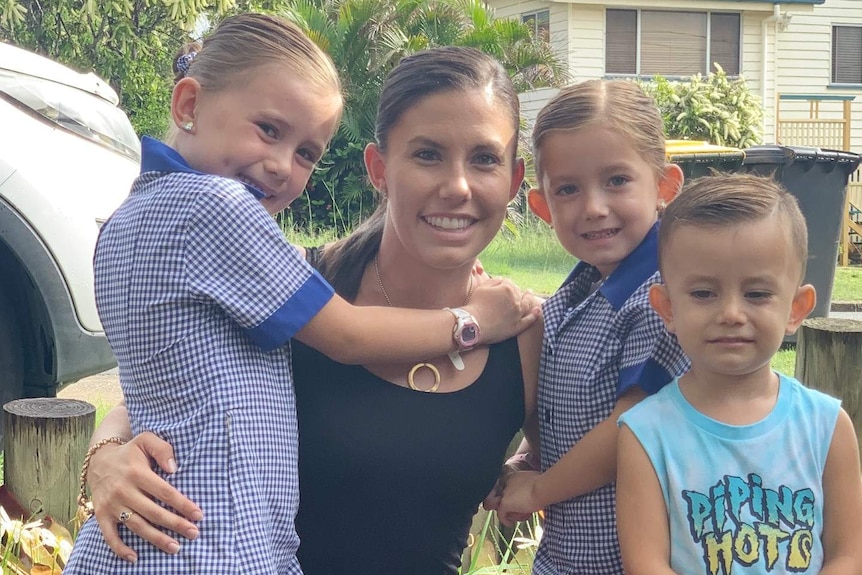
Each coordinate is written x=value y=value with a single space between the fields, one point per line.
x=389 y=477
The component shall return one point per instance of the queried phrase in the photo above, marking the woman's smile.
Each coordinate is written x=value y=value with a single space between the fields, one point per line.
x=449 y=223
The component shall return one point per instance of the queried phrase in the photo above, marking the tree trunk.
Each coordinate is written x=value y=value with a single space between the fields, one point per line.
x=45 y=442
x=829 y=358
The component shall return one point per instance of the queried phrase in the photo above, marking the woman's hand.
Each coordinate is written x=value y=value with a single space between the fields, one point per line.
x=121 y=479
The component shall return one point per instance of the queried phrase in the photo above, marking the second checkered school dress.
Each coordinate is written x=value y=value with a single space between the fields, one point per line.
x=598 y=343
x=198 y=292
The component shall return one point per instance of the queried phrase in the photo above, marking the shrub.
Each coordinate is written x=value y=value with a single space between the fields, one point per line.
x=714 y=108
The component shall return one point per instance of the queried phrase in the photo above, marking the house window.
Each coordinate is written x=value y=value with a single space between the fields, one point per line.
x=540 y=22
x=671 y=43
x=847 y=54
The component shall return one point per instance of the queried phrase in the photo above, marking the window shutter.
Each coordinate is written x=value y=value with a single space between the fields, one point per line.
x=724 y=42
x=673 y=43
x=543 y=25
x=847 y=54
x=621 y=41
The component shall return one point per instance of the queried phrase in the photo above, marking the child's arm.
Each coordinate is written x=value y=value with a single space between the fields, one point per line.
x=237 y=258
x=527 y=456
x=649 y=359
x=366 y=334
x=842 y=492
x=642 y=521
x=589 y=464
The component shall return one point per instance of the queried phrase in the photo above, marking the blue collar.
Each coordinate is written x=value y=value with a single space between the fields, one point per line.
x=157 y=156
x=632 y=272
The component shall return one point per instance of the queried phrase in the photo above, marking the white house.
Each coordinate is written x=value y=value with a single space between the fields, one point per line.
x=811 y=47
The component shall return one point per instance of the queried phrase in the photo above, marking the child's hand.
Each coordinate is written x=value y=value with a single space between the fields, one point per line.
x=502 y=310
x=522 y=461
x=518 y=501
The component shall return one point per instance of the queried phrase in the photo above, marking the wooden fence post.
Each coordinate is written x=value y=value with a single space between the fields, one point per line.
x=829 y=358
x=45 y=442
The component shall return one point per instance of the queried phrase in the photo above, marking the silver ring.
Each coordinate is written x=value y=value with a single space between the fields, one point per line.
x=125 y=516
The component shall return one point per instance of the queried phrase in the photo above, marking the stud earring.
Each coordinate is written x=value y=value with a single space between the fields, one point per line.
x=188 y=126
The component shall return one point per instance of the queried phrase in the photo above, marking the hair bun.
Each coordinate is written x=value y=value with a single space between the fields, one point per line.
x=184 y=58
x=184 y=62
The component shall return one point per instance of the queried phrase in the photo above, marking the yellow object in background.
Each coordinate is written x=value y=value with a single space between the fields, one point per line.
x=674 y=147
x=699 y=158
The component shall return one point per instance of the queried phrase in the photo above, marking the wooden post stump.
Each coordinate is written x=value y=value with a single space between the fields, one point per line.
x=829 y=358
x=45 y=442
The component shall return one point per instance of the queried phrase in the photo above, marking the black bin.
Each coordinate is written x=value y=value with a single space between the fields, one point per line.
x=699 y=158
x=818 y=180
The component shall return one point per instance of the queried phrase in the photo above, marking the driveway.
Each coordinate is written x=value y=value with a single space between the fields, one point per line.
x=102 y=389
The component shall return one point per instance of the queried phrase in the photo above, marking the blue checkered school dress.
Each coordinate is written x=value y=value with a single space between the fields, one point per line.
x=598 y=343
x=199 y=292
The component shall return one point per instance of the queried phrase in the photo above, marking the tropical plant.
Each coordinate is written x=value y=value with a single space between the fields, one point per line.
x=715 y=108
x=130 y=43
x=366 y=39
x=40 y=545
x=512 y=553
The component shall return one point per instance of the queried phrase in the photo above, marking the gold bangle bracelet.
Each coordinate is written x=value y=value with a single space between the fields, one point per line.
x=83 y=500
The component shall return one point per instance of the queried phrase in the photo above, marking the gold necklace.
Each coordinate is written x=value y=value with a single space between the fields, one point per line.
x=454 y=357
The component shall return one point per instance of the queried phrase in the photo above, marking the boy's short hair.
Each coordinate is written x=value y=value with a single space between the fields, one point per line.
x=725 y=200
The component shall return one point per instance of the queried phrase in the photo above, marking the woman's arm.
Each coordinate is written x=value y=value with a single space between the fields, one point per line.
x=121 y=479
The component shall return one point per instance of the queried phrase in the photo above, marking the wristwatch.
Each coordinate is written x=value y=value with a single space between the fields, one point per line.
x=466 y=332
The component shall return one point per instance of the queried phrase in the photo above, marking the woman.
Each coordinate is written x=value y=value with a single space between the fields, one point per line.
x=391 y=475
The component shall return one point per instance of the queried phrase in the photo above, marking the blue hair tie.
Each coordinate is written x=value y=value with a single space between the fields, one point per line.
x=184 y=62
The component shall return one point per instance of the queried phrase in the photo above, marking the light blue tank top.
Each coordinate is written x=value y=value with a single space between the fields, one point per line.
x=741 y=499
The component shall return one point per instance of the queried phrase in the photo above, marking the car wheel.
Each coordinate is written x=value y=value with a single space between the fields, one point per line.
x=11 y=356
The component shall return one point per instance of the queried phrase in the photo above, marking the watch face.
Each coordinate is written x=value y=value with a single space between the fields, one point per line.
x=469 y=334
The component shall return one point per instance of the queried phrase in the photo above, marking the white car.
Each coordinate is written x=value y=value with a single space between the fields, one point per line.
x=68 y=155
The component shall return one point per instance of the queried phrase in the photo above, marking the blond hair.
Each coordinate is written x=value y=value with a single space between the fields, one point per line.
x=726 y=200
x=620 y=105
x=244 y=42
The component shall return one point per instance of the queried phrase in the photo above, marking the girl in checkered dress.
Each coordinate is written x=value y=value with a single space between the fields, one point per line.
x=602 y=178
x=199 y=292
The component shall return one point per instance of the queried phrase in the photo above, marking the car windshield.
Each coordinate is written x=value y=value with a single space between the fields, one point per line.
x=78 y=111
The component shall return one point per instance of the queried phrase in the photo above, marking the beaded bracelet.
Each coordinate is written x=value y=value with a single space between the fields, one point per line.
x=83 y=501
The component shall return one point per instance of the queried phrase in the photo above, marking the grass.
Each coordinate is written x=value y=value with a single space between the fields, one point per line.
x=533 y=258
x=308 y=240
x=848 y=284
x=493 y=552
x=784 y=361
